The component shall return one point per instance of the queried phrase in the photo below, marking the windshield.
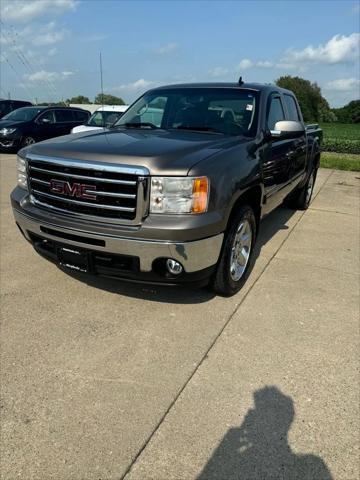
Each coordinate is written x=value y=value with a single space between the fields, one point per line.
x=103 y=119
x=228 y=111
x=22 y=114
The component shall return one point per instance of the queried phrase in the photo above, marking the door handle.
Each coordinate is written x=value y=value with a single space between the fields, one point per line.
x=290 y=154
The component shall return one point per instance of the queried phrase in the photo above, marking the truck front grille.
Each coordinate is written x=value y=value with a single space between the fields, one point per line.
x=88 y=189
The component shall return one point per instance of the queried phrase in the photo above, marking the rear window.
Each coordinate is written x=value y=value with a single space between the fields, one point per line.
x=80 y=116
x=64 y=115
x=291 y=108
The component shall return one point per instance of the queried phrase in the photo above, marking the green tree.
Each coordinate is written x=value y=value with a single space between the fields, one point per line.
x=350 y=113
x=314 y=106
x=78 y=99
x=106 y=99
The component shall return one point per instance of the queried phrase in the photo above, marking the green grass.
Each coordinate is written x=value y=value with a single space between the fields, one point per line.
x=340 y=161
x=341 y=137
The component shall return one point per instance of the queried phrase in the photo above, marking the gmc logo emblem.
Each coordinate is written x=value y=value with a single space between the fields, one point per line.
x=79 y=190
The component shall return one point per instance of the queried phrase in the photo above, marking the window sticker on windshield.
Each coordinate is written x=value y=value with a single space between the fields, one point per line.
x=249 y=107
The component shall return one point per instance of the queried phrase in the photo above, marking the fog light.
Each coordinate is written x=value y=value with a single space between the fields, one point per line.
x=173 y=266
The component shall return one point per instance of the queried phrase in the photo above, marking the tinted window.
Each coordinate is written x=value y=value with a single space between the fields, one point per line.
x=4 y=108
x=222 y=110
x=276 y=113
x=47 y=117
x=291 y=108
x=64 y=116
x=23 y=114
x=80 y=116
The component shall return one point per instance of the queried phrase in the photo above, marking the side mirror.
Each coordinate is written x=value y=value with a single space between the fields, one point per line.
x=44 y=120
x=287 y=129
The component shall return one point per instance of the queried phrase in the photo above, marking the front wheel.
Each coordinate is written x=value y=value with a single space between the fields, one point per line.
x=235 y=259
x=26 y=141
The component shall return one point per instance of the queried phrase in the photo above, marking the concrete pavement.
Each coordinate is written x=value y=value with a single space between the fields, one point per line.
x=102 y=380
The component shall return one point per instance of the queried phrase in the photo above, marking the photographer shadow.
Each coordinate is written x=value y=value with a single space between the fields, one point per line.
x=259 y=448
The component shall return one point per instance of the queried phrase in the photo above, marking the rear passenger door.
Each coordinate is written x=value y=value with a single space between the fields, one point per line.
x=299 y=147
x=64 y=121
x=277 y=153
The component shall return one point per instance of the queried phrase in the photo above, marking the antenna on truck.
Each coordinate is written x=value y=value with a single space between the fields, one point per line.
x=101 y=85
x=240 y=82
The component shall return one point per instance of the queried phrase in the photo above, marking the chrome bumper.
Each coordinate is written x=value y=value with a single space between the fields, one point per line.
x=194 y=256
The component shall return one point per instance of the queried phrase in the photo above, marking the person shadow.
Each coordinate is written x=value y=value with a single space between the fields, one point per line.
x=259 y=448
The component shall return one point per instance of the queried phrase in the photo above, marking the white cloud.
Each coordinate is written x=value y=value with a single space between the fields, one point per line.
x=245 y=64
x=26 y=10
x=45 y=76
x=338 y=49
x=218 y=72
x=140 y=84
x=49 y=38
x=168 y=48
x=265 y=64
x=343 y=84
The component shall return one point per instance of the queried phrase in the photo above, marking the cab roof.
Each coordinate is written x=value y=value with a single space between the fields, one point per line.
x=258 y=87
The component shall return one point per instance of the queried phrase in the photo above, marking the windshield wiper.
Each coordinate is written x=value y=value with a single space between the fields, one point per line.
x=138 y=125
x=199 y=129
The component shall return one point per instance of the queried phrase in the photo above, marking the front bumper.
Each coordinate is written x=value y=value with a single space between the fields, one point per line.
x=8 y=142
x=198 y=257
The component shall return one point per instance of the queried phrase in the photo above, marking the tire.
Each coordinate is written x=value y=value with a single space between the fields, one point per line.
x=236 y=256
x=26 y=141
x=301 y=198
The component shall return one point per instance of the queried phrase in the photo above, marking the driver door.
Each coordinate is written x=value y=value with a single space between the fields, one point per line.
x=277 y=156
x=45 y=125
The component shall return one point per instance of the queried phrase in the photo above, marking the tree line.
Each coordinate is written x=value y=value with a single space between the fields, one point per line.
x=314 y=107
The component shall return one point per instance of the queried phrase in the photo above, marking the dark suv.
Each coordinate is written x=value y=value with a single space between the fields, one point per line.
x=7 y=106
x=29 y=125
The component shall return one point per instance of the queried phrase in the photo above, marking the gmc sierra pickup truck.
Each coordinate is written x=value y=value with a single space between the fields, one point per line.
x=175 y=191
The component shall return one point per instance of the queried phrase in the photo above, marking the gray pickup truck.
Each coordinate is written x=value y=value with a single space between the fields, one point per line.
x=175 y=191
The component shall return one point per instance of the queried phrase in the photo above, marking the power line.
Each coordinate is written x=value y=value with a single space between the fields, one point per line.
x=12 y=36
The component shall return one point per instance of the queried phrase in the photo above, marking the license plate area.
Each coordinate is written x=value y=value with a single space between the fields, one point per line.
x=73 y=258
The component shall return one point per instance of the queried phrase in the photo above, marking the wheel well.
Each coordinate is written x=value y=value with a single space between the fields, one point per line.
x=251 y=197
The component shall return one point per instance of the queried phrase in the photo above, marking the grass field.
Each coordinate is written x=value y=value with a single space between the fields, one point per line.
x=340 y=161
x=341 y=137
x=341 y=146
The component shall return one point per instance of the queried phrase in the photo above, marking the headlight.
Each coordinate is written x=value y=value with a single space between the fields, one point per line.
x=179 y=194
x=21 y=172
x=7 y=131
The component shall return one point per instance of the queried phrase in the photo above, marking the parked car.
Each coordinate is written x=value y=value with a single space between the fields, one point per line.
x=7 y=106
x=29 y=125
x=104 y=117
x=179 y=201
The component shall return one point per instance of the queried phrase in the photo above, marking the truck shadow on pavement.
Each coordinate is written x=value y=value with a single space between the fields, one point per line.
x=181 y=295
x=259 y=449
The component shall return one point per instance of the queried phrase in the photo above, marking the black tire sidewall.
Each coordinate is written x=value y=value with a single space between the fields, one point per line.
x=223 y=283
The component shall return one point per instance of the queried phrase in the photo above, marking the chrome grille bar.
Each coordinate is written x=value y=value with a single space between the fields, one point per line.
x=83 y=177
x=86 y=204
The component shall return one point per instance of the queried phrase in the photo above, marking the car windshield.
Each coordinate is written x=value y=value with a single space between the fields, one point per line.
x=228 y=111
x=104 y=118
x=22 y=114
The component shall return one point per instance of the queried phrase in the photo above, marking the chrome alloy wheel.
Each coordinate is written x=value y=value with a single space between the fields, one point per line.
x=310 y=187
x=240 y=251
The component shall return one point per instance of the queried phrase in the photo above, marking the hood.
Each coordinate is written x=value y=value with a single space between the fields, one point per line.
x=10 y=124
x=161 y=152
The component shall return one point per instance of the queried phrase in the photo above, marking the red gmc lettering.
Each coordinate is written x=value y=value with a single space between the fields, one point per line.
x=78 y=190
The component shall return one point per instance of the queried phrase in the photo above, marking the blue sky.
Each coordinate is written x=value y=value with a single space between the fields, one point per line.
x=50 y=48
